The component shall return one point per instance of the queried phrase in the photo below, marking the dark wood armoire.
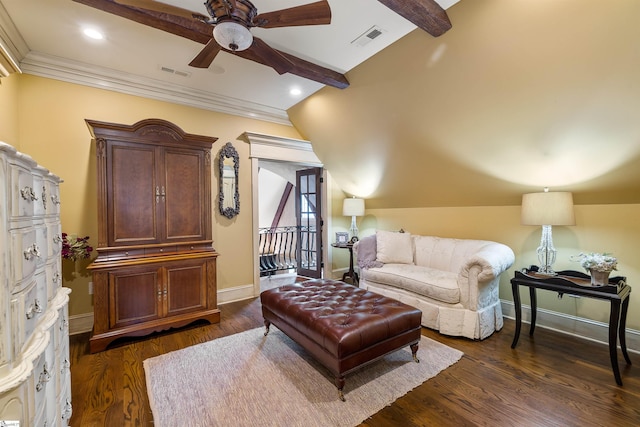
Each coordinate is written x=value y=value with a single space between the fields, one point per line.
x=156 y=266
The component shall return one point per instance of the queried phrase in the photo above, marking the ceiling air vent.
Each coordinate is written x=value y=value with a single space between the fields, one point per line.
x=176 y=72
x=368 y=36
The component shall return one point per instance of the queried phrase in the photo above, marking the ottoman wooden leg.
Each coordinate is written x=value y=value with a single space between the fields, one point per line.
x=340 y=385
x=414 y=352
x=266 y=325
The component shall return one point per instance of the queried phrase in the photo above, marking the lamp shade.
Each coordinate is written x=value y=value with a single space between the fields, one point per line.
x=232 y=35
x=353 y=207
x=548 y=208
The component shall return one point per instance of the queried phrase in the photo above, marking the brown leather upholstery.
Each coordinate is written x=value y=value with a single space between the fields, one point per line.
x=341 y=325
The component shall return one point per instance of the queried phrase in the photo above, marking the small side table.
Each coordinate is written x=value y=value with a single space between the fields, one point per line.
x=351 y=273
x=576 y=283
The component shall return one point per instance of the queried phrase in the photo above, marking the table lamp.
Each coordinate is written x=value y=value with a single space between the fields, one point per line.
x=353 y=207
x=547 y=209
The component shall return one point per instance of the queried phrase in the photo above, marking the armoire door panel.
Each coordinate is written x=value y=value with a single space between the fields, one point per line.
x=186 y=287
x=133 y=295
x=133 y=197
x=184 y=184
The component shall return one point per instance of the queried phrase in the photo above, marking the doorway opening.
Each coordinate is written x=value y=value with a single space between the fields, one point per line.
x=290 y=206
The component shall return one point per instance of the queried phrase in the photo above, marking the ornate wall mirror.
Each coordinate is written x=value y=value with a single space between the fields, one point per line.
x=229 y=197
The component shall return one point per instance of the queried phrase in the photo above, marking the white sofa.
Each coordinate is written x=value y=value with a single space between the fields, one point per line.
x=453 y=281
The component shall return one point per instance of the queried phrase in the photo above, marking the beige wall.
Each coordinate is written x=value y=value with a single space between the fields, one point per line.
x=516 y=96
x=8 y=110
x=51 y=128
x=599 y=228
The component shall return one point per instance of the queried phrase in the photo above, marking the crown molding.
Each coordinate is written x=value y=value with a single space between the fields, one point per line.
x=43 y=65
x=12 y=46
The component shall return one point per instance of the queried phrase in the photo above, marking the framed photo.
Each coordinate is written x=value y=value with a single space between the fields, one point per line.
x=342 y=238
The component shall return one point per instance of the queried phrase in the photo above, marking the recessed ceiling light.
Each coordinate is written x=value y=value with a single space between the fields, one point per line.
x=295 y=91
x=93 y=33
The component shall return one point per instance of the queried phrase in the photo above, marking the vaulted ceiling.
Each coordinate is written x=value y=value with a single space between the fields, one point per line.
x=517 y=96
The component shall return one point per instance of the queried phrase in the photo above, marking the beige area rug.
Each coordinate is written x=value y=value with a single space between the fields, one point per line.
x=248 y=379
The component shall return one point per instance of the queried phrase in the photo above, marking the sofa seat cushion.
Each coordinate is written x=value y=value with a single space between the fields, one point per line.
x=435 y=284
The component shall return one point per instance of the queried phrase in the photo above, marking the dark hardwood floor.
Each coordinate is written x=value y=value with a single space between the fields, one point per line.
x=551 y=380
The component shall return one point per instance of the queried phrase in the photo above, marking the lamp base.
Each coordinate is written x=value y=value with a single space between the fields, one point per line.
x=354 y=228
x=546 y=252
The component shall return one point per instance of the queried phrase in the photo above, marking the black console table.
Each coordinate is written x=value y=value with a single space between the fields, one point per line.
x=576 y=283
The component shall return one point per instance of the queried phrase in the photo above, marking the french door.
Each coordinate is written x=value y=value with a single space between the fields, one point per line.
x=309 y=222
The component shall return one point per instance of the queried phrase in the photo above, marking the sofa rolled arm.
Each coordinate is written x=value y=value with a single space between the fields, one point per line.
x=492 y=259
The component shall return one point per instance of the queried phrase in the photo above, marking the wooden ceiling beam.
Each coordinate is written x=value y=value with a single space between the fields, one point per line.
x=425 y=14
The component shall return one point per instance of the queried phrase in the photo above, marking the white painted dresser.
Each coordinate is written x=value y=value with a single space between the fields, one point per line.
x=35 y=379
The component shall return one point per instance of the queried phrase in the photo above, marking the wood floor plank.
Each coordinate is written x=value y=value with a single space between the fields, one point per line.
x=550 y=379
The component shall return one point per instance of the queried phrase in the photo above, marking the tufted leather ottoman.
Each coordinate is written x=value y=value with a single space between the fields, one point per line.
x=342 y=326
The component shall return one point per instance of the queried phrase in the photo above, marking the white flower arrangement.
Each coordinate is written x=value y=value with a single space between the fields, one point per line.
x=597 y=261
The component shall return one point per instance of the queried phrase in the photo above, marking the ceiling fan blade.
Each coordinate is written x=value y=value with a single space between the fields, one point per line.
x=300 y=67
x=206 y=55
x=157 y=7
x=189 y=28
x=200 y=32
x=263 y=53
x=426 y=14
x=317 y=13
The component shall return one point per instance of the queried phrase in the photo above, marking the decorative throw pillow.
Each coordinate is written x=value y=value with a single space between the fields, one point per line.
x=367 y=252
x=393 y=247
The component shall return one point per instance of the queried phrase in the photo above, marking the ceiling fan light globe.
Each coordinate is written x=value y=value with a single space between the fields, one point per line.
x=232 y=35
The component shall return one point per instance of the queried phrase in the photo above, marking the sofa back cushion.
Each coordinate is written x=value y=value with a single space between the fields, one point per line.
x=445 y=253
x=394 y=247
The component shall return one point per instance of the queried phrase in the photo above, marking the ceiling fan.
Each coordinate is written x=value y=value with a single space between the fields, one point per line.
x=231 y=21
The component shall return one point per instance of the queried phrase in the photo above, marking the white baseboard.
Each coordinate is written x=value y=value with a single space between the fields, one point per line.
x=80 y=323
x=238 y=293
x=571 y=325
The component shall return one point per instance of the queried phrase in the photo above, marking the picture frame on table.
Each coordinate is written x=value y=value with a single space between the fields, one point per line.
x=342 y=238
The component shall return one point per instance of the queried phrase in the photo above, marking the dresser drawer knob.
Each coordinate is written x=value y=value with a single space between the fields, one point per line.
x=34 y=309
x=28 y=194
x=67 y=410
x=44 y=197
x=31 y=252
x=44 y=377
x=55 y=199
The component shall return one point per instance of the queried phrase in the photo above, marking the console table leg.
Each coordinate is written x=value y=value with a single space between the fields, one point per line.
x=518 y=308
x=622 y=330
x=534 y=309
x=614 y=318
